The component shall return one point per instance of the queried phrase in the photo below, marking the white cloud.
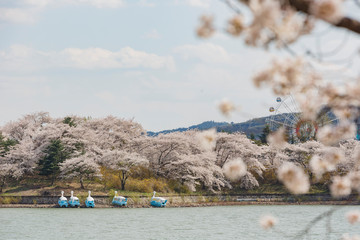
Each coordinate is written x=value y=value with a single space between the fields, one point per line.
x=194 y=3
x=18 y=15
x=37 y=3
x=101 y=3
x=125 y=58
x=145 y=3
x=25 y=58
x=27 y=11
x=206 y=52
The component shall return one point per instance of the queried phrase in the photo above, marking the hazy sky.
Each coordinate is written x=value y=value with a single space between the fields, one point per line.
x=128 y=58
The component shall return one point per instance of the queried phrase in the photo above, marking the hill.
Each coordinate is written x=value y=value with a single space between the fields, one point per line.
x=253 y=126
x=202 y=126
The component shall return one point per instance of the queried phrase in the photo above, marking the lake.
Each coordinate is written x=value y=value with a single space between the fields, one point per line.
x=225 y=222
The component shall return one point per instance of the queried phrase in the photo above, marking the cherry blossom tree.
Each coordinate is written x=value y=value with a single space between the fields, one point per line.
x=237 y=145
x=7 y=171
x=167 y=149
x=110 y=133
x=123 y=163
x=82 y=168
x=197 y=170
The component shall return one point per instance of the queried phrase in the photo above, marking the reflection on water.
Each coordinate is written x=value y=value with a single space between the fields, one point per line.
x=231 y=222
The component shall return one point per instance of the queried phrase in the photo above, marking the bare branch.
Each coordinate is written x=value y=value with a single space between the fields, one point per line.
x=326 y=215
x=304 y=6
x=232 y=6
x=346 y=22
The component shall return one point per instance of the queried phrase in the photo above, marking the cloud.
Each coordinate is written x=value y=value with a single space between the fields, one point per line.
x=125 y=58
x=194 y=3
x=59 y=3
x=19 y=15
x=25 y=58
x=27 y=11
x=145 y=3
x=101 y=3
x=206 y=52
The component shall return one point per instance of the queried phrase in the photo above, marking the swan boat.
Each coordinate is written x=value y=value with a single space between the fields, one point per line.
x=158 y=201
x=74 y=201
x=89 y=202
x=119 y=200
x=63 y=200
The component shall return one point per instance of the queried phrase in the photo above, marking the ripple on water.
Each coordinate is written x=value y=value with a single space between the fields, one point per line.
x=228 y=222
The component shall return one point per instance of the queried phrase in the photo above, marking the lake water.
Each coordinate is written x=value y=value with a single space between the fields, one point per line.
x=230 y=222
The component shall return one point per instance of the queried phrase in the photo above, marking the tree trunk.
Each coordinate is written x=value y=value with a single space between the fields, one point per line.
x=53 y=180
x=123 y=180
x=82 y=183
x=2 y=184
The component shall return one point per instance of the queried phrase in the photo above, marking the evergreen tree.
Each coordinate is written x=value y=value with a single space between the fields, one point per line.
x=69 y=121
x=252 y=136
x=5 y=145
x=266 y=131
x=55 y=154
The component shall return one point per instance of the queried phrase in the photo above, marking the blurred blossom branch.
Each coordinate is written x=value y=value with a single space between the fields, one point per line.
x=325 y=215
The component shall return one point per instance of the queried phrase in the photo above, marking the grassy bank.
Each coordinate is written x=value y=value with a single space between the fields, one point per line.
x=39 y=186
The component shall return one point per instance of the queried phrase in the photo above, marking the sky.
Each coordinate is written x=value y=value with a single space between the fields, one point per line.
x=134 y=59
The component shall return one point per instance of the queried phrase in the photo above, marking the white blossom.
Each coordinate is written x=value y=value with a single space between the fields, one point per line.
x=236 y=25
x=226 y=107
x=277 y=138
x=268 y=221
x=355 y=180
x=340 y=187
x=319 y=166
x=330 y=135
x=328 y=10
x=234 y=169
x=206 y=28
x=353 y=216
x=207 y=139
x=294 y=178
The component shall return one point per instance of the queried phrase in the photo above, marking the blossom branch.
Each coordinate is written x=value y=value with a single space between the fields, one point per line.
x=326 y=214
x=345 y=22
x=305 y=7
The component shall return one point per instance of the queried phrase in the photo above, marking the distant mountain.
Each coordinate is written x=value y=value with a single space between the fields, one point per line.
x=201 y=126
x=253 y=126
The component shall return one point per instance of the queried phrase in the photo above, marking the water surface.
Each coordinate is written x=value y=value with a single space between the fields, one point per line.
x=228 y=222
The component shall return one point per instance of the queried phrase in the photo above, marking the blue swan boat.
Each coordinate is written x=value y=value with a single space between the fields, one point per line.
x=89 y=202
x=119 y=200
x=74 y=201
x=63 y=200
x=158 y=201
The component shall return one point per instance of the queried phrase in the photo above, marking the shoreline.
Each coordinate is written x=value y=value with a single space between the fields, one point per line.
x=186 y=201
x=188 y=205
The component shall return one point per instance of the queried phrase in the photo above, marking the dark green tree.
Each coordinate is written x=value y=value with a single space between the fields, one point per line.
x=49 y=165
x=252 y=136
x=5 y=145
x=266 y=131
x=69 y=121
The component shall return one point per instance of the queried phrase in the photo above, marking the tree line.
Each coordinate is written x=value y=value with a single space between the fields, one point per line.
x=83 y=149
